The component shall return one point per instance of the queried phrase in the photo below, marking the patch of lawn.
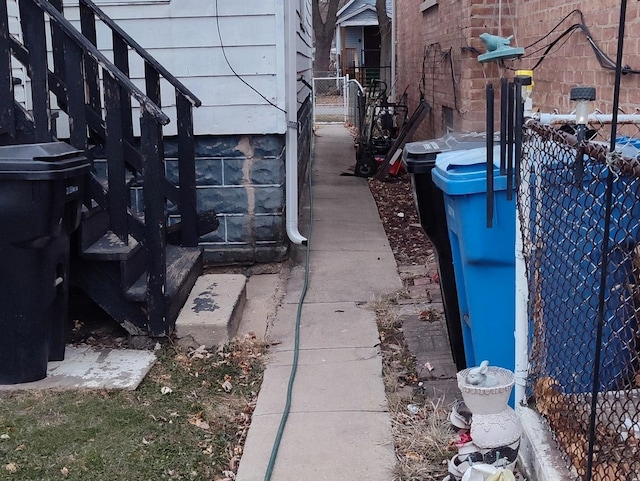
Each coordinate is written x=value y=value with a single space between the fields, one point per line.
x=187 y=420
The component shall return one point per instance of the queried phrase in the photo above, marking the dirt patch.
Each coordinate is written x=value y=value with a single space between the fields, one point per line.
x=423 y=437
x=397 y=210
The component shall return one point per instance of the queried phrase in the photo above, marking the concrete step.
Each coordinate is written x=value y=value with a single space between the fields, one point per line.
x=213 y=310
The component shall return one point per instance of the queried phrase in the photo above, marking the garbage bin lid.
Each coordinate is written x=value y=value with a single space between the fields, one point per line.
x=465 y=172
x=419 y=157
x=44 y=161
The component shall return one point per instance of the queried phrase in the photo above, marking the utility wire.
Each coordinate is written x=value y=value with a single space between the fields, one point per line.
x=604 y=60
x=224 y=53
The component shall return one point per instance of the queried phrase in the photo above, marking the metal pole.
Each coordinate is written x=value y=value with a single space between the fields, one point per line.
x=605 y=244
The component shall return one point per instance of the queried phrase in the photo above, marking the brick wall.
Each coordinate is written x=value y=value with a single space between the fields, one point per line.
x=574 y=63
x=450 y=77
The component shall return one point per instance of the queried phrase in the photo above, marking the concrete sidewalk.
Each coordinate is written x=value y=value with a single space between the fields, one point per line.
x=339 y=427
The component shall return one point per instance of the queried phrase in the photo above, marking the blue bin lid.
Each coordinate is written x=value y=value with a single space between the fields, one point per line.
x=465 y=171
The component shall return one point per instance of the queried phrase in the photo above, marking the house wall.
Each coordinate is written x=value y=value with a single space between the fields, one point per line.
x=436 y=61
x=574 y=63
x=436 y=55
x=18 y=71
x=353 y=37
x=183 y=36
x=240 y=137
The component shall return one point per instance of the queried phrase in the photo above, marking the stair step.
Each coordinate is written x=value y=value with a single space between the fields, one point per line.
x=213 y=310
x=180 y=262
x=93 y=225
x=110 y=247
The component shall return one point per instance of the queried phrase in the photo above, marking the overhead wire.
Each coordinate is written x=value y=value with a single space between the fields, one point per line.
x=226 y=59
x=604 y=60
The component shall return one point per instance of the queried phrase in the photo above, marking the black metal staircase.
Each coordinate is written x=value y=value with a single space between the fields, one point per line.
x=123 y=258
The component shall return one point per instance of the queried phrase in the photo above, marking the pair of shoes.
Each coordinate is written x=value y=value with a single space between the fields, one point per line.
x=460 y=416
x=501 y=457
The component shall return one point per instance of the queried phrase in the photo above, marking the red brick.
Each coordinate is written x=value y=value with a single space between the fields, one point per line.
x=458 y=24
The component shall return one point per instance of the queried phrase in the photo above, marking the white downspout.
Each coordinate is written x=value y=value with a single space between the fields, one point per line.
x=291 y=106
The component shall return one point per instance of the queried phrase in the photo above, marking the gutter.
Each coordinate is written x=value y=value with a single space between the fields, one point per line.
x=291 y=106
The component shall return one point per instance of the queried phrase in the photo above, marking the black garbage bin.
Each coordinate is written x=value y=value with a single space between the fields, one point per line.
x=419 y=160
x=41 y=188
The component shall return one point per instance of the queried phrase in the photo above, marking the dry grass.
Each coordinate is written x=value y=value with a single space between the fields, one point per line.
x=188 y=420
x=422 y=433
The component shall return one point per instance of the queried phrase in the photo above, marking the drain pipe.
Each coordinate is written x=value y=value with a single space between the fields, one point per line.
x=291 y=103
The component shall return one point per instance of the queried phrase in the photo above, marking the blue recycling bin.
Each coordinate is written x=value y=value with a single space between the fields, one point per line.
x=570 y=272
x=483 y=258
x=419 y=159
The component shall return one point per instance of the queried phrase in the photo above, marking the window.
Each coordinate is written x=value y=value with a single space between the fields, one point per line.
x=427 y=4
x=447 y=118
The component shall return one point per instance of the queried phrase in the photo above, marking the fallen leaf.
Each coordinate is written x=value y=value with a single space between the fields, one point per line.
x=200 y=353
x=64 y=471
x=208 y=450
x=428 y=366
x=412 y=455
x=20 y=447
x=5 y=436
x=11 y=467
x=198 y=422
x=227 y=386
x=166 y=390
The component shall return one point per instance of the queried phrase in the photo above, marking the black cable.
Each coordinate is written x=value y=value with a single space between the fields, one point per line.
x=446 y=56
x=603 y=59
x=224 y=53
x=304 y=81
x=567 y=33
x=557 y=25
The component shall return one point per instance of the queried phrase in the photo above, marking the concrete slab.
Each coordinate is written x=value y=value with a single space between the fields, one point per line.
x=340 y=276
x=326 y=380
x=323 y=446
x=349 y=192
x=255 y=318
x=213 y=310
x=338 y=428
x=263 y=286
x=87 y=367
x=325 y=326
x=539 y=454
x=351 y=213
x=263 y=294
x=367 y=237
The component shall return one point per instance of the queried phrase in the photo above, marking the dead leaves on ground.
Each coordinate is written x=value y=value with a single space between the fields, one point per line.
x=226 y=395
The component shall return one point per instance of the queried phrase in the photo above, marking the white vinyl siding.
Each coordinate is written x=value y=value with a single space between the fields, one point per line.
x=304 y=50
x=183 y=36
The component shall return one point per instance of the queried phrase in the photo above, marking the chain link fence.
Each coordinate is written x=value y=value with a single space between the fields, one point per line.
x=579 y=210
x=329 y=99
